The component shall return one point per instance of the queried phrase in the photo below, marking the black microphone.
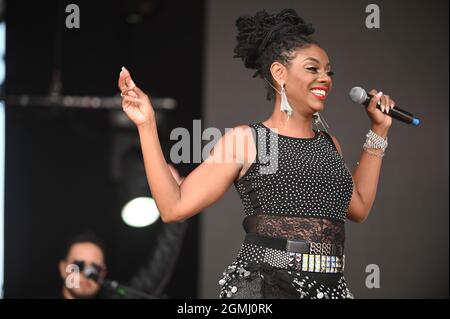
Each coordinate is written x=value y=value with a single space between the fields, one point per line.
x=93 y=273
x=359 y=95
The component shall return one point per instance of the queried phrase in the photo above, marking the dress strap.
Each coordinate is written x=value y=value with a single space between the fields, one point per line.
x=330 y=139
x=254 y=129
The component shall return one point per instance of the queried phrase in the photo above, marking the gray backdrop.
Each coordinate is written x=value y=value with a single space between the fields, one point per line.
x=406 y=234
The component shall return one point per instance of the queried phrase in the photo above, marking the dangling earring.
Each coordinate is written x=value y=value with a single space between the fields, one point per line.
x=318 y=119
x=285 y=107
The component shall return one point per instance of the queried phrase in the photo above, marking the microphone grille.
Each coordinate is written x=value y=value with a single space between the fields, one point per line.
x=358 y=95
x=91 y=273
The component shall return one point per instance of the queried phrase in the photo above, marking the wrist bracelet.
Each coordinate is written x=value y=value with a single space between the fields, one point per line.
x=373 y=153
x=375 y=141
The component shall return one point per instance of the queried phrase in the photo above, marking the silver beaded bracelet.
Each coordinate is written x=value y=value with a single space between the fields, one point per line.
x=373 y=153
x=374 y=141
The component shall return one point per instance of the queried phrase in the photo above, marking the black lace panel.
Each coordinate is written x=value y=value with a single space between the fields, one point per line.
x=306 y=228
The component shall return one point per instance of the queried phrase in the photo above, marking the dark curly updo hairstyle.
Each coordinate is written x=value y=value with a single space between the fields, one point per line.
x=266 y=38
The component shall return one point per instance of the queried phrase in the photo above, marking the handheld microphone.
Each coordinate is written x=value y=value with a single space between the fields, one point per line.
x=93 y=273
x=359 y=95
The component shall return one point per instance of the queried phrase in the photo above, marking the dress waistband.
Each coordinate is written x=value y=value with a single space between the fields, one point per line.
x=295 y=246
x=295 y=255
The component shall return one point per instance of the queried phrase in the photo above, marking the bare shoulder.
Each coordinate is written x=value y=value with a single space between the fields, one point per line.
x=243 y=140
x=235 y=143
x=238 y=133
x=242 y=131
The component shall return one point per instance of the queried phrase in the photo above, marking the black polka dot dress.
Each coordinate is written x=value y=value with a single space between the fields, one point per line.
x=297 y=188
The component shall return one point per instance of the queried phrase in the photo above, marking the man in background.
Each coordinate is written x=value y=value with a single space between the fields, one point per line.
x=85 y=254
x=83 y=251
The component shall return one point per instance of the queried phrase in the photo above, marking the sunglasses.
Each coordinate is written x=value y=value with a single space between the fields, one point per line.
x=81 y=264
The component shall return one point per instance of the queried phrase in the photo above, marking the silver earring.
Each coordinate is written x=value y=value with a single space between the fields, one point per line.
x=319 y=120
x=285 y=107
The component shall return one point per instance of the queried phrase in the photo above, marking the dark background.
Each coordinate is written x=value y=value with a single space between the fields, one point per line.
x=67 y=170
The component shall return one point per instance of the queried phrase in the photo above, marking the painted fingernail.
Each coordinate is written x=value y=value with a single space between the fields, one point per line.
x=379 y=94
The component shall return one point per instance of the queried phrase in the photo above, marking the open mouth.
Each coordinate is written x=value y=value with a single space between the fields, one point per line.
x=319 y=93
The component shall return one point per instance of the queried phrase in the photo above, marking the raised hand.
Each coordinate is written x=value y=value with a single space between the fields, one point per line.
x=135 y=103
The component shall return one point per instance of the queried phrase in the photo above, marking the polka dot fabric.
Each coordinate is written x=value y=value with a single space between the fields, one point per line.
x=252 y=253
x=295 y=177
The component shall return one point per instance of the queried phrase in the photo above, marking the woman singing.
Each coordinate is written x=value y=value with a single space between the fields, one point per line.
x=295 y=187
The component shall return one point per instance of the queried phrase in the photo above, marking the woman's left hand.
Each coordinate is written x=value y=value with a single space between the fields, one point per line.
x=379 y=118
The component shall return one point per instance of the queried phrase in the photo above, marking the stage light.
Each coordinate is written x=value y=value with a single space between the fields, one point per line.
x=140 y=212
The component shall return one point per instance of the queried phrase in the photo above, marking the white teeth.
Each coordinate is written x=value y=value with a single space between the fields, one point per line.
x=319 y=92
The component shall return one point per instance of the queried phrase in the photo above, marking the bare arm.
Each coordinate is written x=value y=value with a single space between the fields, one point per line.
x=365 y=182
x=202 y=187
x=367 y=173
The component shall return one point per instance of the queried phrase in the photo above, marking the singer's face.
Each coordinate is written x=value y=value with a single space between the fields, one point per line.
x=90 y=254
x=309 y=80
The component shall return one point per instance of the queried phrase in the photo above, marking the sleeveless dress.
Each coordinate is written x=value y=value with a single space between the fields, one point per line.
x=296 y=189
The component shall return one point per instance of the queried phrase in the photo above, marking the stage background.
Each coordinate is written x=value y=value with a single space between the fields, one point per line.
x=406 y=234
